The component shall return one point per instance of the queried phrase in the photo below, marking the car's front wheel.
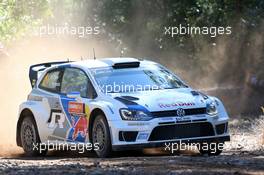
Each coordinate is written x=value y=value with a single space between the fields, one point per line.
x=101 y=137
x=30 y=138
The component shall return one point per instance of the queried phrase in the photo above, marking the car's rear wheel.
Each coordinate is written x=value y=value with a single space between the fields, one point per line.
x=101 y=137
x=211 y=149
x=30 y=138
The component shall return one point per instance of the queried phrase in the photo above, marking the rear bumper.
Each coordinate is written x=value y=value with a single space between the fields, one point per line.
x=162 y=143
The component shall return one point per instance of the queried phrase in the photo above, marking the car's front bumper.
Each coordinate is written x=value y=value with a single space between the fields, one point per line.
x=157 y=132
x=164 y=143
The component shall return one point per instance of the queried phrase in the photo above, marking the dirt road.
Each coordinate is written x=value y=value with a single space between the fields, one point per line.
x=236 y=162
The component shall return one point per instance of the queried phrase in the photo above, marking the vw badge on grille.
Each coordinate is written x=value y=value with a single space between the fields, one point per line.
x=180 y=112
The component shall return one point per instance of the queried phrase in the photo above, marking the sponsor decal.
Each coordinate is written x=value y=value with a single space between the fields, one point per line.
x=166 y=119
x=79 y=127
x=75 y=127
x=176 y=104
x=79 y=117
x=183 y=119
x=75 y=107
x=56 y=118
x=138 y=124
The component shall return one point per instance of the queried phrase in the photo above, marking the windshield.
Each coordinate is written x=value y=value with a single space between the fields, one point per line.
x=135 y=79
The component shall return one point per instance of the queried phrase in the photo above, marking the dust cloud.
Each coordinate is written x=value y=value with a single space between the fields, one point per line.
x=15 y=84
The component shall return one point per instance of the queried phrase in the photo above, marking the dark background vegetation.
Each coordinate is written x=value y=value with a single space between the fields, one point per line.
x=136 y=28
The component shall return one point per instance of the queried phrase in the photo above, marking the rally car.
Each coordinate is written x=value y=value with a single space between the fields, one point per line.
x=116 y=104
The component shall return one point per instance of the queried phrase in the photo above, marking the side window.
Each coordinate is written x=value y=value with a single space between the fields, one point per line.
x=51 y=81
x=74 y=80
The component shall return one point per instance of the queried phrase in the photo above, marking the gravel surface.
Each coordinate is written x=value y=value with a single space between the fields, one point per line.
x=230 y=162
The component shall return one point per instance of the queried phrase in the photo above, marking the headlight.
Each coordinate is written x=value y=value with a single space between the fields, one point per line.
x=211 y=108
x=134 y=115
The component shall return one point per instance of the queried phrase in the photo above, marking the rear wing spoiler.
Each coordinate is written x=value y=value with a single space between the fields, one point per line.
x=34 y=70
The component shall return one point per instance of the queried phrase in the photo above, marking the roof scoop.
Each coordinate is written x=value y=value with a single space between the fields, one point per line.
x=124 y=65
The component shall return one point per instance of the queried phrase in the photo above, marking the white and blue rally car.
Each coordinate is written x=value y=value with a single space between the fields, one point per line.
x=118 y=104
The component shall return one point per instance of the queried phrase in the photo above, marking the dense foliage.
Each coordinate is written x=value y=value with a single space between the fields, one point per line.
x=17 y=16
x=137 y=26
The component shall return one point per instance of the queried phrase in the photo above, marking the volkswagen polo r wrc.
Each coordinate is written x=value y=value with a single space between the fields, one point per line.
x=116 y=104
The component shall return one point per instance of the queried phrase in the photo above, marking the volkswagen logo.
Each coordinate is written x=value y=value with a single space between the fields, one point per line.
x=180 y=112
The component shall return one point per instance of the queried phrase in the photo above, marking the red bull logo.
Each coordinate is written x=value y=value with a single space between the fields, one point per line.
x=80 y=127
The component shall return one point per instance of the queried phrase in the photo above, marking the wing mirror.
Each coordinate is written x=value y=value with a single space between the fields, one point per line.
x=74 y=95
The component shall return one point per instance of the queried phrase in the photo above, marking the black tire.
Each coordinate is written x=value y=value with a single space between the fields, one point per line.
x=101 y=137
x=212 y=149
x=30 y=138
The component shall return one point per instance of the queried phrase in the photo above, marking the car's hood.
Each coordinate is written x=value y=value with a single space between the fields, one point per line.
x=159 y=100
